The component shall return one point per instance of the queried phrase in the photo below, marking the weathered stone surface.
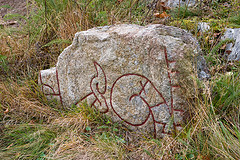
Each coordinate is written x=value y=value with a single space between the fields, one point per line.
x=233 y=51
x=203 y=27
x=175 y=3
x=138 y=75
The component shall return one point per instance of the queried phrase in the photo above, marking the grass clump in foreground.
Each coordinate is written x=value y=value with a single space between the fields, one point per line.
x=33 y=128
x=25 y=141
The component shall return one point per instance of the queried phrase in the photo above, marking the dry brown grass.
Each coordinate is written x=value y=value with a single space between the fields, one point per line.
x=20 y=103
x=75 y=142
x=73 y=21
x=23 y=59
x=69 y=143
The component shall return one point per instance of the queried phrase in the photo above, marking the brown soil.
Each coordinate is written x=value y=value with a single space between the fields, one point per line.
x=16 y=6
x=12 y=7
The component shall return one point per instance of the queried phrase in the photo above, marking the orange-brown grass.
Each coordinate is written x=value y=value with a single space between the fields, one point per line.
x=69 y=143
x=21 y=103
x=74 y=20
x=23 y=59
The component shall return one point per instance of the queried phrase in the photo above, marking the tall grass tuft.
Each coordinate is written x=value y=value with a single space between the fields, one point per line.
x=226 y=95
x=24 y=103
x=25 y=141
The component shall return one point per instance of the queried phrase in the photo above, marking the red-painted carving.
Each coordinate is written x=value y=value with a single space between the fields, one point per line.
x=98 y=90
x=150 y=114
x=95 y=91
x=172 y=86
x=46 y=85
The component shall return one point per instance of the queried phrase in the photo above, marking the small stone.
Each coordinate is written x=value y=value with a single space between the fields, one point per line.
x=183 y=3
x=203 y=27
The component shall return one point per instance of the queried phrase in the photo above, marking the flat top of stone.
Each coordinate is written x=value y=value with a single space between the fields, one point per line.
x=135 y=30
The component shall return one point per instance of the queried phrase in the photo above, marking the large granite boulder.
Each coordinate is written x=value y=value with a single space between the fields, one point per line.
x=138 y=75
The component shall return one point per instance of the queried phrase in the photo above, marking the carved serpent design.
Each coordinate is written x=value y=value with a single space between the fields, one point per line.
x=98 y=86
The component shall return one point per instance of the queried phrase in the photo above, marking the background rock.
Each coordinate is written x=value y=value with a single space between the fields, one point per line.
x=175 y=3
x=138 y=75
x=203 y=27
x=233 y=50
